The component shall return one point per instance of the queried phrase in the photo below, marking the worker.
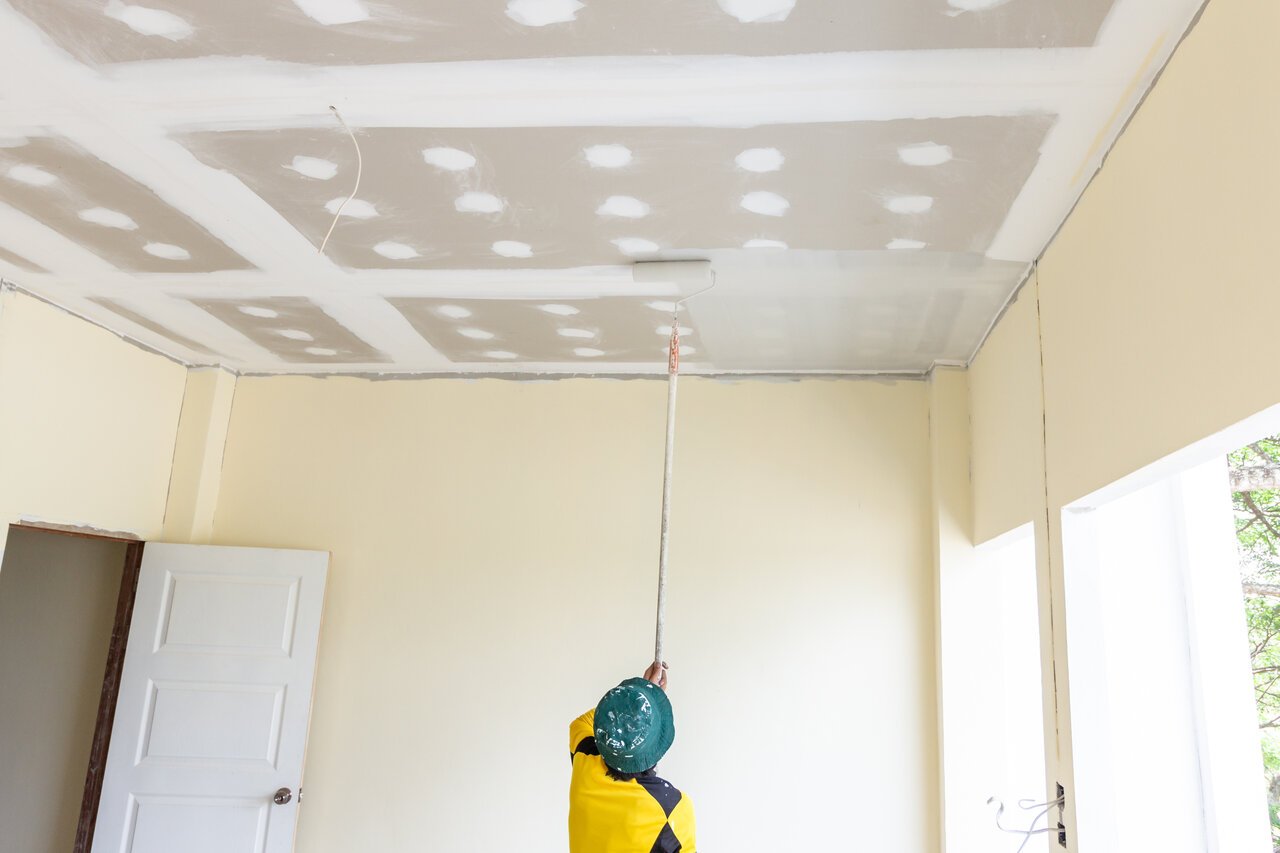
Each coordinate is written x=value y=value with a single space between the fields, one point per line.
x=617 y=801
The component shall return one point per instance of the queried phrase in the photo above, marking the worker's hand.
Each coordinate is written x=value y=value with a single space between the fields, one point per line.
x=657 y=673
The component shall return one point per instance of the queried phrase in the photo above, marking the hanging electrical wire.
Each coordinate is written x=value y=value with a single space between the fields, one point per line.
x=337 y=214
x=1027 y=805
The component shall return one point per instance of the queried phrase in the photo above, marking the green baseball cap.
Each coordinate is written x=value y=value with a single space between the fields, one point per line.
x=634 y=726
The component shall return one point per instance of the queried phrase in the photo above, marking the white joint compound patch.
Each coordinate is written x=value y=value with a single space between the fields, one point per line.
x=313 y=167
x=449 y=159
x=541 y=13
x=624 y=206
x=909 y=204
x=32 y=176
x=356 y=208
x=758 y=11
x=560 y=310
x=396 y=251
x=765 y=203
x=608 y=156
x=512 y=249
x=168 y=251
x=925 y=154
x=333 y=12
x=477 y=202
x=763 y=243
x=760 y=160
x=109 y=218
x=149 y=22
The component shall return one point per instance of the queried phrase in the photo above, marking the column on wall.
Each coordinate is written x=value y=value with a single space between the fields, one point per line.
x=197 y=457
x=953 y=555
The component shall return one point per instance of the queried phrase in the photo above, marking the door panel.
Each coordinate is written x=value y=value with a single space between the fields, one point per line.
x=213 y=723
x=214 y=701
x=199 y=825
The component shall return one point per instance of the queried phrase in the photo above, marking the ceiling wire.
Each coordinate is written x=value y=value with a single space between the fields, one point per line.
x=359 y=173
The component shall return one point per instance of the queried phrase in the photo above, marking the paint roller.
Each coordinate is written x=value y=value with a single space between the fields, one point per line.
x=692 y=278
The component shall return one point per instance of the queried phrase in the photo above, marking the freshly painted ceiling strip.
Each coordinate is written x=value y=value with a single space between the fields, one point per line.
x=714 y=91
x=1136 y=85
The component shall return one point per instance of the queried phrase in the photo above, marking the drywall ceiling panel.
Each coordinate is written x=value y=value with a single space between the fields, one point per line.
x=292 y=328
x=870 y=180
x=610 y=329
x=64 y=187
x=326 y=32
x=883 y=311
x=571 y=196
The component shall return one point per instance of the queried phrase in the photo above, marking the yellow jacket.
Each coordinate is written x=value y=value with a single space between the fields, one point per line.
x=645 y=815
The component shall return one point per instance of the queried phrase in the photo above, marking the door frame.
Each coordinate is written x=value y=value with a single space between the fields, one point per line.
x=111 y=677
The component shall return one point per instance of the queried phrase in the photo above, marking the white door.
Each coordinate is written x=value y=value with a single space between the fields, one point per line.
x=214 y=702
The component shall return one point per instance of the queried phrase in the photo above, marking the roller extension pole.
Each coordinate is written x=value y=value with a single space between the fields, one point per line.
x=673 y=377
x=693 y=278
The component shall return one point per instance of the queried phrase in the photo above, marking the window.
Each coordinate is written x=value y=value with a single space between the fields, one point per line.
x=993 y=731
x=1164 y=740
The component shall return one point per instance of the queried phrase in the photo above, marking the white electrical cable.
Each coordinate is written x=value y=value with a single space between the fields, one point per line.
x=359 y=172
x=1031 y=830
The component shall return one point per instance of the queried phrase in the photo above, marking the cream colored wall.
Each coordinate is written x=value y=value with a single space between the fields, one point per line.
x=57 y=607
x=1157 y=306
x=493 y=573
x=87 y=422
x=1007 y=424
x=1159 y=297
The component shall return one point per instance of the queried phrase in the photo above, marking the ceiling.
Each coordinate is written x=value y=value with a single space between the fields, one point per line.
x=870 y=179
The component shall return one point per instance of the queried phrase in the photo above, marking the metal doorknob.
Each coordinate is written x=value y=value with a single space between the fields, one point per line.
x=282 y=796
